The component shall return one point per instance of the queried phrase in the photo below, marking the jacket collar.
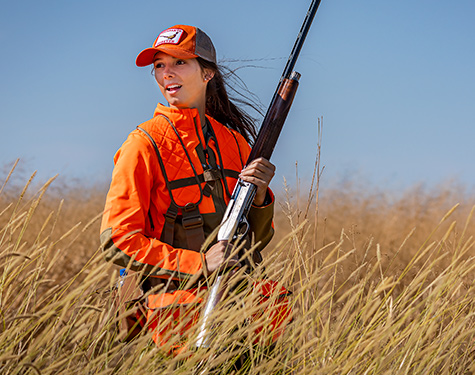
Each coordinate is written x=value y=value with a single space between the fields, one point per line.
x=185 y=119
x=168 y=111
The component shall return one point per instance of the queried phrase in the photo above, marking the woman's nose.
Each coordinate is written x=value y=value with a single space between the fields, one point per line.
x=167 y=72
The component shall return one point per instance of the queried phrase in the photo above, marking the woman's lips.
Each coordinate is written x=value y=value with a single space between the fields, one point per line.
x=173 y=88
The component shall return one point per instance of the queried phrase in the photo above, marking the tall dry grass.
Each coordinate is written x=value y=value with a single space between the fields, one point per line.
x=381 y=285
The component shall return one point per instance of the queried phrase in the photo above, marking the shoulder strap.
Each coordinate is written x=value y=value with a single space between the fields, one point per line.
x=226 y=172
x=192 y=220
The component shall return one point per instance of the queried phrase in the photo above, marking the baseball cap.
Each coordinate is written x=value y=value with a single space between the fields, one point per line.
x=181 y=41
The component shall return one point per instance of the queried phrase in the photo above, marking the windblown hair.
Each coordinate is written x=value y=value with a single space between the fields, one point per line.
x=222 y=108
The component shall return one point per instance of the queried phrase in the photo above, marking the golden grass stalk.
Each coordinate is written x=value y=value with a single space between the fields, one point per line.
x=359 y=307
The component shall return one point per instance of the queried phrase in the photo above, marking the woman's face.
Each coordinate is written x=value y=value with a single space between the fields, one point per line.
x=181 y=81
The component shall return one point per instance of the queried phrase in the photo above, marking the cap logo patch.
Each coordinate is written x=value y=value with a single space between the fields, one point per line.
x=169 y=36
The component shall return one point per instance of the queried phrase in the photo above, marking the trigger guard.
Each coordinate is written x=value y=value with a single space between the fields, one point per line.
x=243 y=229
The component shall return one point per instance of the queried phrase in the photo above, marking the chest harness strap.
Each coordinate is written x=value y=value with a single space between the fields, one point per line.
x=192 y=220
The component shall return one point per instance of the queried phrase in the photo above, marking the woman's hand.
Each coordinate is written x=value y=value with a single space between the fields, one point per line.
x=216 y=256
x=260 y=173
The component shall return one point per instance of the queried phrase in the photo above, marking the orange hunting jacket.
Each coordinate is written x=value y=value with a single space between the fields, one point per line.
x=138 y=197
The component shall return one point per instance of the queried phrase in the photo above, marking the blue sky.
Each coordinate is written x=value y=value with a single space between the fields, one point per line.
x=394 y=82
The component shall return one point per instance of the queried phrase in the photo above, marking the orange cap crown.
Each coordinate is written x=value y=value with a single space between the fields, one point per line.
x=181 y=41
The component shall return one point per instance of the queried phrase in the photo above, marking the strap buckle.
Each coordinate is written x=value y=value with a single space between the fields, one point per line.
x=170 y=216
x=189 y=207
x=211 y=175
x=192 y=222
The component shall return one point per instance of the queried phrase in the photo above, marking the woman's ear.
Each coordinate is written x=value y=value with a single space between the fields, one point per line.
x=208 y=75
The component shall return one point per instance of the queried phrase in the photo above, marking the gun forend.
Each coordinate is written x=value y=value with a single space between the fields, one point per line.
x=275 y=118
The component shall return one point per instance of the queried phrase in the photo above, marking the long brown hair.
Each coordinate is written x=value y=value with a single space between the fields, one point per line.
x=222 y=108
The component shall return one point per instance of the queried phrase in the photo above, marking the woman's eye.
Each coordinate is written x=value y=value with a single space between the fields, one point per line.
x=180 y=62
x=158 y=65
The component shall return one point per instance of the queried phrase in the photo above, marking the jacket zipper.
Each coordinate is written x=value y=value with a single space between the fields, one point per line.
x=152 y=226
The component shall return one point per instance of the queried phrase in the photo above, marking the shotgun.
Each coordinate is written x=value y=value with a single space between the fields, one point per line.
x=234 y=224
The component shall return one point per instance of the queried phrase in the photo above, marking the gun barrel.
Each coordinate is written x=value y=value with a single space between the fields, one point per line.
x=312 y=10
x=215 y=293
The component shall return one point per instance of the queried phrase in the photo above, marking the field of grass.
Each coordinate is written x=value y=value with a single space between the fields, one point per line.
x=382 y=284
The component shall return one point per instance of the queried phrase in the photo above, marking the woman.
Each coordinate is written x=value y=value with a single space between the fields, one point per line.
x=174 y=174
